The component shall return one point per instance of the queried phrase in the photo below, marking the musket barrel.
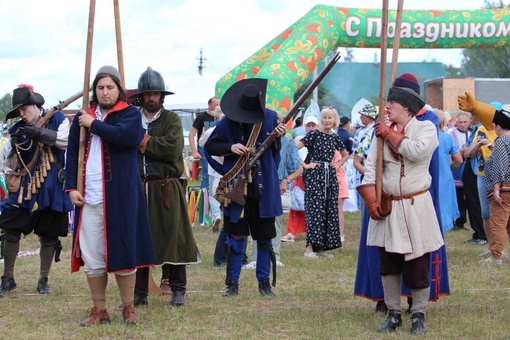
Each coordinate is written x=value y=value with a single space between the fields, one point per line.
x=272 y=136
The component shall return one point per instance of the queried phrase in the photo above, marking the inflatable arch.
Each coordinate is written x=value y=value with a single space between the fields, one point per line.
x=288 y=60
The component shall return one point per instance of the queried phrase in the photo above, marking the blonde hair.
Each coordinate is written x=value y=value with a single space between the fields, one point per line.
x=331 y=111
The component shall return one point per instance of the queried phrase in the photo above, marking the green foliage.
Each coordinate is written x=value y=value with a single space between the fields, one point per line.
x=5 y=105
x=487 y=62
x=453 y=72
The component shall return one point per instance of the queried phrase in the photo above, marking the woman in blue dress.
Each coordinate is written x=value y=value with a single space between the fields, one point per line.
x=321 y=193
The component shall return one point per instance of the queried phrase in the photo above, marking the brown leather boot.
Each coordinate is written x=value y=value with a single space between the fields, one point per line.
x=129 y=314
x=165 y=287
x=97 y=316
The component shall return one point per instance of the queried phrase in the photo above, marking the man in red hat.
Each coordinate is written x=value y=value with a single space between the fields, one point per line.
x=409 y=231
x=39 y=203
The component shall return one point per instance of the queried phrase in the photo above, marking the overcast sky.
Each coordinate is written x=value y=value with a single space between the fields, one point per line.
x=43 y=43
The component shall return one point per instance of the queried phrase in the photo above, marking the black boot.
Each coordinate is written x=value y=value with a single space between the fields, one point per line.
x=265 y=288
x=8 y=284
x=232 y=289
x=409 y=304
x=381 y=307
x=177 y=298
x=393 y=320
x=140 y=300
x=418 y=325
x=42 y=286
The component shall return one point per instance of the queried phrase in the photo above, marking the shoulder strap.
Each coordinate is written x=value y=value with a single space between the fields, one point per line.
x=45 y=119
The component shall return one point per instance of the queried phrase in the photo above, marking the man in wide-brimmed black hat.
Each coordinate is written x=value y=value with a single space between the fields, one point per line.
x=39 y=204
x=245 y=113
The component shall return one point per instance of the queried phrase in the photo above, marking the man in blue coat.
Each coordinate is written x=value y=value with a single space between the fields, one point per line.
x=112 y=233
x=247 y=120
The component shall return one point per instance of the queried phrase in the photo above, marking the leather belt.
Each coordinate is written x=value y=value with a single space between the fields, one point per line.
x=165 y=188
x=159 y=180
x=409 y=196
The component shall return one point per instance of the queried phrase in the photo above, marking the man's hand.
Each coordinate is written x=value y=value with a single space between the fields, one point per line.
x=467 y=102
x=15 y=139
x=42 y=135
x=31 y=131
x=381 y=130
x=368 y=193
x=196 y=155
x=85 y=119
x=239 y=149
x=76 y=198
x=281 y=129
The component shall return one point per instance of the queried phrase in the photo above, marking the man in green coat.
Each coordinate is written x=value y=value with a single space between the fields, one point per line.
x=161 y=165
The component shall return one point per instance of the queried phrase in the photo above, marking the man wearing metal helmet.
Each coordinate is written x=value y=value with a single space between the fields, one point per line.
x=112 y=233
x=160 y=162
x=246 y=125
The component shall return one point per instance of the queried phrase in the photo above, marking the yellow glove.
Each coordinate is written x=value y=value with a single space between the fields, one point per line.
x=482 y=111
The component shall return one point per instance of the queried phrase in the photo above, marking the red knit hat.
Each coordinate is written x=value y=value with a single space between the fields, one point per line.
x=409 y=81
x=406 y=91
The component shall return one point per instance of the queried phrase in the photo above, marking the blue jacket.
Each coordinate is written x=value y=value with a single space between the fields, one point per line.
x=228 y=132
x=128 y=242
x=51 y=193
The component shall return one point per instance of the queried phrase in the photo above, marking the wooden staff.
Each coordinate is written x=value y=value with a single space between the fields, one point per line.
x=153 y=288
x=86 y=86
x=382 y=99
x=396 y=41
x=118 y=36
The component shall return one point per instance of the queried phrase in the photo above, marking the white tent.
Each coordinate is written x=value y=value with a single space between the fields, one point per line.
x=191 y=94
x=355 y=116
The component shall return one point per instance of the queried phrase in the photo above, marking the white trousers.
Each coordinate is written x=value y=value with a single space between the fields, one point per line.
x=213 y=203
x=91 y=239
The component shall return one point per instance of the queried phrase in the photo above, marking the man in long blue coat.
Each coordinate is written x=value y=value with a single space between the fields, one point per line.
x=112 y=232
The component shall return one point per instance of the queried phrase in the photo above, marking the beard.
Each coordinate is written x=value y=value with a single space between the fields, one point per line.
x=106 y=106
x=152 y=106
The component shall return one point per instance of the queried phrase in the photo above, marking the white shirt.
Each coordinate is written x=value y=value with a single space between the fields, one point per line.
x=94 y=168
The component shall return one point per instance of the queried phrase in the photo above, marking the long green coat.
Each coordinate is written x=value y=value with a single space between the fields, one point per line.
x=172 y=236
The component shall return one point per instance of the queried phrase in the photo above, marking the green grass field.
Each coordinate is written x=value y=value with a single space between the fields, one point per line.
x=314 y=300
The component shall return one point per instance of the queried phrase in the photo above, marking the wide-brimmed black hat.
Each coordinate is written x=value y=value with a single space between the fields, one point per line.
x=23 y=96
x=245 y=101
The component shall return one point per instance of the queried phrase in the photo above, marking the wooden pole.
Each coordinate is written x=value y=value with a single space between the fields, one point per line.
x=153 y=287
x=382 y=99
x=396 y=41
x=86 y=90
x=118 y=36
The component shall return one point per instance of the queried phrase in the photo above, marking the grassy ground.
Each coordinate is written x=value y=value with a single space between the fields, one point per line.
x=314 y=299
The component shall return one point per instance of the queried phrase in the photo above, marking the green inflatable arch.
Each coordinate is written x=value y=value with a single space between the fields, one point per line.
x=289 y=59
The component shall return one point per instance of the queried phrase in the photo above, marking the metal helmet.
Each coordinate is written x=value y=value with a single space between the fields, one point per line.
x=150 y=81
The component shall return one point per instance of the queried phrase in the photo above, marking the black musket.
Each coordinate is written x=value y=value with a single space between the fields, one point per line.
x=273 y=135
x=60 y=106
x=237 y=192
